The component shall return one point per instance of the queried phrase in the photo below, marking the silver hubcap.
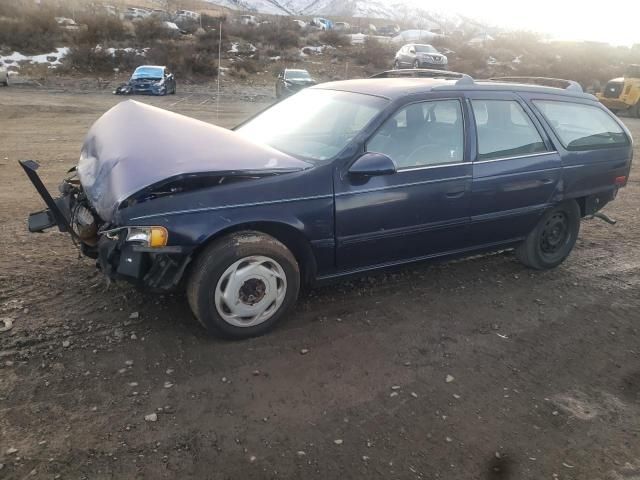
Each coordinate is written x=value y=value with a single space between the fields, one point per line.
x=250 y=291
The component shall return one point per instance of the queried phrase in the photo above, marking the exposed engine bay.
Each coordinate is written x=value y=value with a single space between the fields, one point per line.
x=133 y=158
x=71 y=212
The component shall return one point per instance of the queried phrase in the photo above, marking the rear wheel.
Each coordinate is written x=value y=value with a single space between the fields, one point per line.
x=243 y=284
x=553 y=238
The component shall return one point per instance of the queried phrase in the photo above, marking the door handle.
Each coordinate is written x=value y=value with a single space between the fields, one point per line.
x=456 y=194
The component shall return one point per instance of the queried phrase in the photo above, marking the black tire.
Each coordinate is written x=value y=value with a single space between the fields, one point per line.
x=213 y=262
x=553 y=238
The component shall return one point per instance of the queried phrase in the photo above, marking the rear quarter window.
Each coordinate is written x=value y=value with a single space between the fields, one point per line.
x=505 y=130
x=580 y=126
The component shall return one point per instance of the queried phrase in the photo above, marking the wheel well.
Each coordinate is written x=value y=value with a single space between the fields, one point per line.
x=590 y=204
x=291 y=237
x=582 y=203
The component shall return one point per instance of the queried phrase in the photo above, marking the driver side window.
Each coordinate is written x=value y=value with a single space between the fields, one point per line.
x=422 y=134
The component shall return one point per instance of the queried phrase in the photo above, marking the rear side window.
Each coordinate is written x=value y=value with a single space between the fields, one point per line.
x=581 y=127
x=505 y=130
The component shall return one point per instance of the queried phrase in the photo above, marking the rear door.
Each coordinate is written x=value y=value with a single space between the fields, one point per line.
x=516 y=170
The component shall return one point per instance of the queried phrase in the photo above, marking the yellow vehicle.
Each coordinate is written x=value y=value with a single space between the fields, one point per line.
x=623 y=93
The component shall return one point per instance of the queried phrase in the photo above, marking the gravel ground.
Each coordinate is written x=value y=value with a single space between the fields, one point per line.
x=475 y=369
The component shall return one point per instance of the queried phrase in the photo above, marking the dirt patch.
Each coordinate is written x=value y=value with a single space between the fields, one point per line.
x=85 y=363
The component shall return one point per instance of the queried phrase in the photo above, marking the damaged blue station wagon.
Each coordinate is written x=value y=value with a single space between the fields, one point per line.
x=341 y=178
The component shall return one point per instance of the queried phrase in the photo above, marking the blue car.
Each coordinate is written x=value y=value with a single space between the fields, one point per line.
x=376 y=173
x=149 y=80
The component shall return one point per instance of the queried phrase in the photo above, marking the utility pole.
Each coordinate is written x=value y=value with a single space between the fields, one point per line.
x=219 y=58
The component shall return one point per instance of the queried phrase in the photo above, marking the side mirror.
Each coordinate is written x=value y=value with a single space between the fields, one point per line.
x=373 y=164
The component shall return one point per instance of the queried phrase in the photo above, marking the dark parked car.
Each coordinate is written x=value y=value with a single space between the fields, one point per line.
x=149 y=80
x=374 y=173
x=291 y=80
x=414 y=55
x=389 y=30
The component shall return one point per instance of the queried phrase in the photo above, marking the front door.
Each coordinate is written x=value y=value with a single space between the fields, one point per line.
x=516 y=170
x=420 y=211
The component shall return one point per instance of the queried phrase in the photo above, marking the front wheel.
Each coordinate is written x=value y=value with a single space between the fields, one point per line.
x=243 y=284
x=553 y=238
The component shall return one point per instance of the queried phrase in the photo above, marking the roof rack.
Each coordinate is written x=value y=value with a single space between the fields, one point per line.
x=570 y=85
x=463 y=78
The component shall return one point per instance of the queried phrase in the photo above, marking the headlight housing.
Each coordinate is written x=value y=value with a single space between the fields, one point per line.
x=148 y=236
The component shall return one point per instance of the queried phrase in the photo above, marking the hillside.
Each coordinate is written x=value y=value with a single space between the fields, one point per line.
x=387 y=9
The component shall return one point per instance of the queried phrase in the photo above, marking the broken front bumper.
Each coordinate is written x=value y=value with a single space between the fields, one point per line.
x=153 y=267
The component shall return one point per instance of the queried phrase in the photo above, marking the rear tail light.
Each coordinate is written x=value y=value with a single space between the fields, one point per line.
x=620 y=181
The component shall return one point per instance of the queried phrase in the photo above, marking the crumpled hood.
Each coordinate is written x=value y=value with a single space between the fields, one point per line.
x=436 y=56
x=135 y=145
x=144 y=81
x=298 y=81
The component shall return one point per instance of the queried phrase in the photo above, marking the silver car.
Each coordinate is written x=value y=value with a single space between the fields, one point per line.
x=416 y=55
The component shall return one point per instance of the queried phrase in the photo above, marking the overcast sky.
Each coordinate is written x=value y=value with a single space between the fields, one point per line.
x=618 y=24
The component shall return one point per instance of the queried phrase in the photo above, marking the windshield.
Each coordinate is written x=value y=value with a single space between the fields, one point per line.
x=314 y=124
x=148 y=72
x=297 y=75
x=425 y=49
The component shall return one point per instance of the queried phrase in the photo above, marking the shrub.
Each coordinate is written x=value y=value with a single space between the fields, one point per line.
x=248 y=65
x=279 y=35
x=240 y=73
x=335 y=39
x=245 y=32
x=84 y=58
x=183 y=59
x=375 y=53
x=209 y=21
x=102 y=29
x=35 y=31
x=150 y=29
x=208 y=41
